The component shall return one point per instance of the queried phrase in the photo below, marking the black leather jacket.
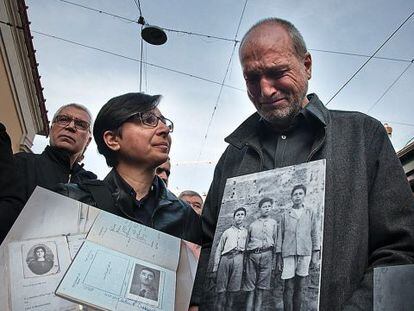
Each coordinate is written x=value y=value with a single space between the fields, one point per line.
x=171 y=215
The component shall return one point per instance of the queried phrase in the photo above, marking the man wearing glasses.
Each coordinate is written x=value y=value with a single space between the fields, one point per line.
x=70 y=134
x=134 y=137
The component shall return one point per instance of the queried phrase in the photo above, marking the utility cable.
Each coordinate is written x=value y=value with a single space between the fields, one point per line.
x=362 y=55
x=389 y=88
x=136 y=21
x=409 y=141
x=222 y=83
x=223 y=38
x=372 y=56
x=135 y=60
x=138 y=4
x=99 y=11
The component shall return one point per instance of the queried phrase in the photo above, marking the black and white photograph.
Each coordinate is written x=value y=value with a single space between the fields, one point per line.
x=145 y=285
x=267 y=248
x=41 y=259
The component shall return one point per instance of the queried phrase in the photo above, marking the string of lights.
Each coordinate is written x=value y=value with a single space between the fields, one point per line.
x=371 y=57
x=222 y=84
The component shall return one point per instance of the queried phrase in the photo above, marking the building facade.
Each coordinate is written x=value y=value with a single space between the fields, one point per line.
x=22 y=105
x=406 y=156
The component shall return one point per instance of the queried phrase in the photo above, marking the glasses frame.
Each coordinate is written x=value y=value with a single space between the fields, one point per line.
x=138 y=115
x=76 y=121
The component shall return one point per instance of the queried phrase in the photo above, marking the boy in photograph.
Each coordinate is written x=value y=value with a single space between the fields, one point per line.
x=228 y=261
x=300 y=246
x=263 y=242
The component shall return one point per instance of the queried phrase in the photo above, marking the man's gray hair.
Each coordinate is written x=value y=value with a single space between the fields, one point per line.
x=299 y=44
x=77 y=106
x=190 y=193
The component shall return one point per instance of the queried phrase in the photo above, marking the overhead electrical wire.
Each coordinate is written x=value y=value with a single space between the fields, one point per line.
x=371 y=57
x=135 y=60
x=99 y=11
x=236 y=42
x=138 y=4
x=223 y=38
x=409 y=141
x=136 y=21
x=222 y=83
x=125 y=57
x=390 y=87
x=402 y=60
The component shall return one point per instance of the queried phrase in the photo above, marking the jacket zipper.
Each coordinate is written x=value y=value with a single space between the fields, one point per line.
x=70 y=176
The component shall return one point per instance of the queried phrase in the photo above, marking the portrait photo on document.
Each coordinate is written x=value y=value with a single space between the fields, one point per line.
x=146 y=285
x=41 y=259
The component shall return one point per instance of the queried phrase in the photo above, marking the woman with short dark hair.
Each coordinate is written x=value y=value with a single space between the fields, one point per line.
x=134 y=137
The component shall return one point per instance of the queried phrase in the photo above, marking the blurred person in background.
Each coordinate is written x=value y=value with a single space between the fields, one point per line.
x=164 y=170
x=194 y=199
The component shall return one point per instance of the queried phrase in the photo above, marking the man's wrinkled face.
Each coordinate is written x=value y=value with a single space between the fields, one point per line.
x=70 y=137
x=146 y=277
x=276 y=77
x=163 y=171
x=195 y=202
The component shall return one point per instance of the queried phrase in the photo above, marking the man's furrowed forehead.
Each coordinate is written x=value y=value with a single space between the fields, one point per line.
x=76 y=112
x=264 y=37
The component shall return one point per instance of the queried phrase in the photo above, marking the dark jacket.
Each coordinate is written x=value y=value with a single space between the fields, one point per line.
x=171 y=215
x=47 y=169
x=10 y=200
x=369 y=208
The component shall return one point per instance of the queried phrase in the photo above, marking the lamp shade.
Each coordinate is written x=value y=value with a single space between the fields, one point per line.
x=153 y=35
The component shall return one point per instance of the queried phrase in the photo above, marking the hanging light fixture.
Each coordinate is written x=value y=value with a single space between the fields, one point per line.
x=152 y=34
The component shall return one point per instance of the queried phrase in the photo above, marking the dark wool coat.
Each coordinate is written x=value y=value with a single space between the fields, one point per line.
x=10 y=200
x=28 y=170
x=369 y=207
x=47 y=169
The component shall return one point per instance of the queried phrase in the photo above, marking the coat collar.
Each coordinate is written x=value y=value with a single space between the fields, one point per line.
x=62 y=157
x=249 y=131
x=124 y=194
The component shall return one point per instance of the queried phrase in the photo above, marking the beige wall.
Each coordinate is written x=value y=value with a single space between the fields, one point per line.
x=21 y=97
x=8 y=113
